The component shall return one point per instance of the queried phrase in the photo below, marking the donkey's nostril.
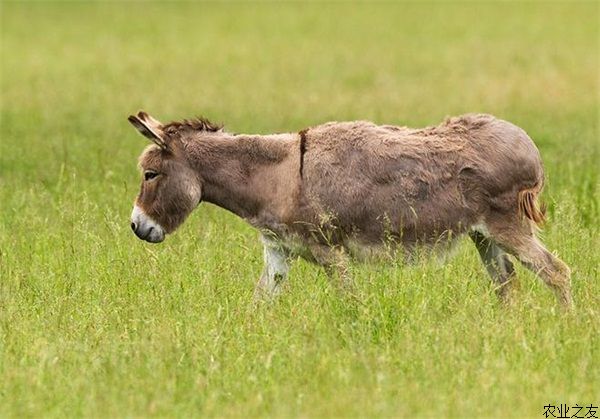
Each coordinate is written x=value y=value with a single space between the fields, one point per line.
x=133 y=226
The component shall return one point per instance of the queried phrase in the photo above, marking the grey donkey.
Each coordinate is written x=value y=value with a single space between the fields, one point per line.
x=345 y=190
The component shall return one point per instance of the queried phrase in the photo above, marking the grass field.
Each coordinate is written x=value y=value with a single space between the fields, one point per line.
x=94 y=322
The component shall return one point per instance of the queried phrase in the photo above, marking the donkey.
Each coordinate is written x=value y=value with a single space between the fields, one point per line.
x=344 y=190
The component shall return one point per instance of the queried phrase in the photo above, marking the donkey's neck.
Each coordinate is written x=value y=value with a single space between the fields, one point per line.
x=249 y=175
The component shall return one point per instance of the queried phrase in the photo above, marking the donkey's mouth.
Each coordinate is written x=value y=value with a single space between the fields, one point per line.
x=153 y=235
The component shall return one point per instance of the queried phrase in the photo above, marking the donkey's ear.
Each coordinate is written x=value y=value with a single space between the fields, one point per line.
x=151 y=122
x=149 y=128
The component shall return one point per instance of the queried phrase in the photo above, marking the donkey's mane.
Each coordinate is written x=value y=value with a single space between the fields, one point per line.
x=197 y=124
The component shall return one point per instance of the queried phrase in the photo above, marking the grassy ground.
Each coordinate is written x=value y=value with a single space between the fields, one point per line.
x=94 y=322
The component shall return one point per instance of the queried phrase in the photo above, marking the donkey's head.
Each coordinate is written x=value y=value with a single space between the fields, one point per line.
x=170 y=189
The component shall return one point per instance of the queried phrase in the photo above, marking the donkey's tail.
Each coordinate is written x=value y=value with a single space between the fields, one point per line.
x=529 y=205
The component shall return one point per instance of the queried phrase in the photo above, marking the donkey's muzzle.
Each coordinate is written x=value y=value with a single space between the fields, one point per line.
x=145 y=228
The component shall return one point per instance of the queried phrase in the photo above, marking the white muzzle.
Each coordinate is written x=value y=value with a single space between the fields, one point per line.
x=145 y=227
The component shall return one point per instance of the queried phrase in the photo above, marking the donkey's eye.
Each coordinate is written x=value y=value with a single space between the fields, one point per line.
x=149 y=175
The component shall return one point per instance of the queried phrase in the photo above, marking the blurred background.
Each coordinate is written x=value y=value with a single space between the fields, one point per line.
x=93 y=321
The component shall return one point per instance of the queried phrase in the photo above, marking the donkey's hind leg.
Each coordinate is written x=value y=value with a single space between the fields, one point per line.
x=519 y=240
x=498 y=265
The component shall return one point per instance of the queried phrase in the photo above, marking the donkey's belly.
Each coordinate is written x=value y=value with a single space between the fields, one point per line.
x=378 y=252
x=408 y=253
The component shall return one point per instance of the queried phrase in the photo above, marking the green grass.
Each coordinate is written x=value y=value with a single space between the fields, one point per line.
x=94 y=322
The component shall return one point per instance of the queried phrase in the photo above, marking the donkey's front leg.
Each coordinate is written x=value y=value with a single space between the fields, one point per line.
x=274 y=272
